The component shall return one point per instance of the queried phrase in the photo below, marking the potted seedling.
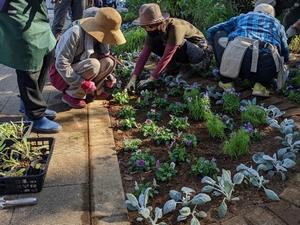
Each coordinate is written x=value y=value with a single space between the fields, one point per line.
x=15 y=130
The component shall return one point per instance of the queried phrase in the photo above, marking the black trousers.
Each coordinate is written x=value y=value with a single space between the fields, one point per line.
x=266 y=67
x=31 y=85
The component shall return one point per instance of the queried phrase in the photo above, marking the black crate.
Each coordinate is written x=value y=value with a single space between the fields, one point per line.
x=26 y=131
x=28 y=183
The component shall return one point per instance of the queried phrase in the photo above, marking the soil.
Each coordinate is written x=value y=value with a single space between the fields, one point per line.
x=207 y=147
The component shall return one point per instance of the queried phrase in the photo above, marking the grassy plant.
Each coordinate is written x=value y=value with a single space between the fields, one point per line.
x=127 y=112
x=238 y=144
x=179 y=154
x=255 y=115
x=294 y=97
x=215 y=127
x=231 y=102
x=165 y=171
x=295 y=44
x=141 y=161
x=204 y=167
x=132 y=144
x=121 y=97
x=134 y=41
x=179 y=123
x=128 y=123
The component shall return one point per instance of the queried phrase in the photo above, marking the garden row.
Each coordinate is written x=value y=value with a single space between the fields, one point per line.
x=219 y=132
x=23 y=160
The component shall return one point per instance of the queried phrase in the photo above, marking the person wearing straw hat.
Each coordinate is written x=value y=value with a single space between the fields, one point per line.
x=176 y=41
x=251 y=46
x=82 y=56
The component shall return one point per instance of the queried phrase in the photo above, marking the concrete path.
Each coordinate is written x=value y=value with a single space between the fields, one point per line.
x=83 y=184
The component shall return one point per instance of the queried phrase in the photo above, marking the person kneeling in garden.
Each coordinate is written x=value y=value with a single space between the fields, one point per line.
x=252 y=46
x=176 y=41
x=82 y=56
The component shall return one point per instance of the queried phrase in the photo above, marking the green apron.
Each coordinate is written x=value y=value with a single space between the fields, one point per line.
x=25 y=35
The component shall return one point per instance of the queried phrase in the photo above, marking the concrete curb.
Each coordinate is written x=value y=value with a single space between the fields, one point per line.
x=107 y=194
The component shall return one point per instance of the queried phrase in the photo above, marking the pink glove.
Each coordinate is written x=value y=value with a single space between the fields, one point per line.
x=88 y=86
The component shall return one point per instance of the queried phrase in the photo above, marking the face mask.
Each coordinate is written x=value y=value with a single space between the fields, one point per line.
x=154 y=33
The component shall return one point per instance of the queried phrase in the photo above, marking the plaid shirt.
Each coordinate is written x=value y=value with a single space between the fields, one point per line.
x=254 y=25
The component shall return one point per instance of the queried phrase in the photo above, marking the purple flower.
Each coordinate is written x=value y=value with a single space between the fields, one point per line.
x=188 y=143
x=157 y=165
x=140 y=162
x=248 y=127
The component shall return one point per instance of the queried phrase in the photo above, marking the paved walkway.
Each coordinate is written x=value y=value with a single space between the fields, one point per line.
x=83 y=184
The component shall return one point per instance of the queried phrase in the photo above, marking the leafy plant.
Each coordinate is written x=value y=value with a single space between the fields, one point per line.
x=254 y=114
x=163 y=136
x=127 y=112
x=160 y=102
x=204 y=167
x=13 y=130
x=141 y=188
x=252 y=177
x=132 y=144
x=295 y=80
x=141 y=161
x=154 y=115
x=121 y=97
x=255 y=134
x=179 y=154
x=165 y=171
x=216 y=127
x=228 y=122
x=187 y=199
x=231 y=102
x=174 y=91
x=179 y=123
x=238 y=144
x=128 y=123
x=294 y=97
x=149 y=128
x=294 y=46
x=224 y=185
x=273 y=164
x=142 y=208
x=189 y=140
x=176 y=109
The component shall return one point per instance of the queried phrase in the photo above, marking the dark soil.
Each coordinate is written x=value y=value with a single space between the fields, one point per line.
x=207 y=147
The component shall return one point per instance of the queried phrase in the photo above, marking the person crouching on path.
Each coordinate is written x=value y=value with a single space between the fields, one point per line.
x=252 y=46
x=82 y=56
x=176 y=41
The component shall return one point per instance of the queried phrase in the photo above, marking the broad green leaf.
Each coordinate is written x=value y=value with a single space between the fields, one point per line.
x=181 y=218
x=288 y=163
x=187 y=190
x=175 y=195
x=201 y=214
x=185 y=211
x=238 y=178
x=132 y=199
x=169 y=206
x=258 y=157
x=207 y=189
x=200 y=199
x=222 y=209
x=145 y=212
x=271 y=194
x=158 y=213
x=208 y=180
x=195 y=221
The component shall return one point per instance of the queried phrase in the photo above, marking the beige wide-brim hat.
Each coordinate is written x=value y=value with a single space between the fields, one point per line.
x=150 y=14
x=270 y=2
x=105 y=26
x=265 y=8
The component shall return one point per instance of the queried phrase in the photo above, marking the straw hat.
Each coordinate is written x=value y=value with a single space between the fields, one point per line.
x=104 y=26
x=265 y=8
x=270 y=2
x=150 y=14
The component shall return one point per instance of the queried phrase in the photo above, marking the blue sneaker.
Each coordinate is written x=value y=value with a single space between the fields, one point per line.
x=44 y=125
x=50 y=114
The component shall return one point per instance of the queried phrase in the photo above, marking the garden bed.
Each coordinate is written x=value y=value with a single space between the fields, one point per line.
x=207 y=147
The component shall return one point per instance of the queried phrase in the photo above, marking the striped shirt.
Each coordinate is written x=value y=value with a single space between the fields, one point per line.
x=254 y=25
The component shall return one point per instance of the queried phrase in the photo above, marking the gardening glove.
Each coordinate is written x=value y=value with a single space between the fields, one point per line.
x=88 y=86
x=131 y=84
x=292 y=31
x=144 y=83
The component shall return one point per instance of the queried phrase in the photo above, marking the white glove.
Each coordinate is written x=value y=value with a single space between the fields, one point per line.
x=131 y=84
x=291 y=32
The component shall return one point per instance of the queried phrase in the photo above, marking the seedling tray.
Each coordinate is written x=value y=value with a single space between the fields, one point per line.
x=26 y=131
x=29 y=183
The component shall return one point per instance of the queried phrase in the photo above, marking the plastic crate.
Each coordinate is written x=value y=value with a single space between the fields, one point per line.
x=28 y=183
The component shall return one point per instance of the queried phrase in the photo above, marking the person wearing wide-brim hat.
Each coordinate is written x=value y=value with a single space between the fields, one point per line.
x=82 y=56
x=176 y=41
